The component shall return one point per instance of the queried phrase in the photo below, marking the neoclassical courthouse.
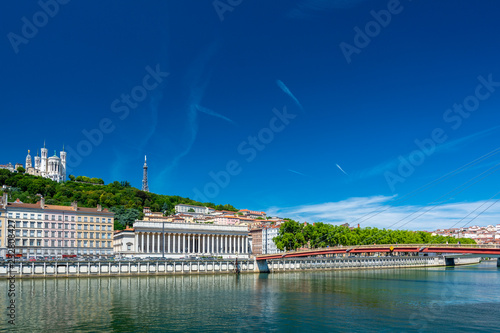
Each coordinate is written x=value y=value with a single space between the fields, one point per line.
x=178 y=240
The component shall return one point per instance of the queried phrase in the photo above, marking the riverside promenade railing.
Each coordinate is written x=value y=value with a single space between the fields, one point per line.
x=45 y=269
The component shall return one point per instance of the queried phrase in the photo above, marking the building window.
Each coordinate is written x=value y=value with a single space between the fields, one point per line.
x=79 y=227
x=97 y=235
x=39 y=233
x=32 y=216
x=32 y=242
x=85 y=243
x=59 y=234
x=85 y=235
x=32 y=233
x=85 y=227
x=85 y=219
x=59 y=226
x=18 y=233
x=53 y=217
x=10 y=214
x=109 y=228
x=46 y=242
x=91 y=243
x=97 y=227
x=39 y=225
x=97 y=219
x=66 y=243
x=53 y=243
x=72 y=227
x=72 y=219
x=18 y=224
x=25 y=215
x=18 y=215
x=59 y=243
x=109 y=220
x=109 y=236
x=91 y=219
x=25 y=233
x=79 y=243
x=72 y=243
x=91 y=235
x=59 y=218
x=47 y=234
x=25 y=224
x=53 y=225
x=38 y=242
x=32 y=224
x=79 y=219
x=109 y=244
x=53 y=234
x=47 y=225
x=91 y=227
x=72 y=234
x=66 y=234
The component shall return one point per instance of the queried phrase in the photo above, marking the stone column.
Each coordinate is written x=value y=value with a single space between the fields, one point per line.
x=246 y=245
x=169 y=237
x=147 y=243
x=174 y=243
x=183 y=243
x=189 y=243
x=163 y=244
x=204 y=239
x=178 y=243
x=225 y=244
x=153 y=241
x=142 y=242
x=136 y=242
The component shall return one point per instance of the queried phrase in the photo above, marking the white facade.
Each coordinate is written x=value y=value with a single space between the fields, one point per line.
x=268 y=245
x=180 y=240
x=53 y=167
x=193 y=209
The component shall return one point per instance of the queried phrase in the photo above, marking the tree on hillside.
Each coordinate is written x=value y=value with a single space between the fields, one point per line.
x=124 y=216
x=20 y=169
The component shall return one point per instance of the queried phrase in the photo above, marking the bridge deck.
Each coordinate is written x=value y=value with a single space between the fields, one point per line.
x=484 y=250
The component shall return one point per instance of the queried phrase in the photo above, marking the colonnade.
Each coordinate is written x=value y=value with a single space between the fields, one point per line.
x=190 y=243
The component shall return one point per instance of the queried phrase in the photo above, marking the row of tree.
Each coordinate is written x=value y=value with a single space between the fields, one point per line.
x=294 y=235
x=127 y=202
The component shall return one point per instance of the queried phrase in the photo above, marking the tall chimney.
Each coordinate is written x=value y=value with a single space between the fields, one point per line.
x=99 y=208
x=4 y=200
x=42 y=202
x=74 y=204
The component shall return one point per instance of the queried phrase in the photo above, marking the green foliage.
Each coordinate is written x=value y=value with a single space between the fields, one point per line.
x=27 y=188
x=293 y=235
x=125 y=216
x=20 y=169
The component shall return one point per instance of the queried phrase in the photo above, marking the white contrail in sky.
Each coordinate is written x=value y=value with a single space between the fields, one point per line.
x=299 y=173
x=212 y=113
x=338 y=166
x=288 y=92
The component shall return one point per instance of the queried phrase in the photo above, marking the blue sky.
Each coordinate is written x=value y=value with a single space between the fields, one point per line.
x=311 y=109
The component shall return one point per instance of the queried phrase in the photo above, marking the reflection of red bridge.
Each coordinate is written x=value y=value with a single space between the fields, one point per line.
x=480 y=250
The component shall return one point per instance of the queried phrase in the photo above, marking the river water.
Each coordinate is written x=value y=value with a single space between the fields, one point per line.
x=455 y=299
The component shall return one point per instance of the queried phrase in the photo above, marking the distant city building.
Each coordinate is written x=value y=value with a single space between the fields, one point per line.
x=123 y=242
x=53 y=167
x=252 y=213
x=51 y=230
x=188 y=209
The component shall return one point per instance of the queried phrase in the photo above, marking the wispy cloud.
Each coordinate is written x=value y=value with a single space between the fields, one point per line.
x=359 y=210
x=212 y=113
x=338 y=166
x=447 y=146
x=289 y=93
x=299 y=173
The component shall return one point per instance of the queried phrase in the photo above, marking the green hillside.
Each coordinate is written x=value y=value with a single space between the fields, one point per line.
x=126 y=201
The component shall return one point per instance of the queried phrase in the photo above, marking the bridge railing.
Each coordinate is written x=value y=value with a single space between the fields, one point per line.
x=395 y=246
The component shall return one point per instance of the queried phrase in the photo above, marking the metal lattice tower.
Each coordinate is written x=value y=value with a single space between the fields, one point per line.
x=145 y=186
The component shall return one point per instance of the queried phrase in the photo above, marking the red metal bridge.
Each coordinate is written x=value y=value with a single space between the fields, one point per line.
x=480 y=250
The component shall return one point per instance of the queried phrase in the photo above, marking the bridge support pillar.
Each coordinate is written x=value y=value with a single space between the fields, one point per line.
x=449 y=261
x=262 y=266
x=498 y=262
